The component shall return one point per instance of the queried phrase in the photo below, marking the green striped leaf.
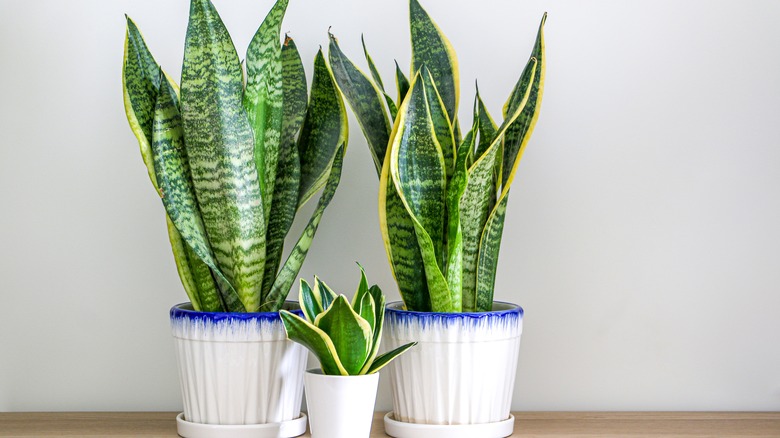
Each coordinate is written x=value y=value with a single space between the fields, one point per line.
x=518 y=135
x=295 y=260
x=489 y=247
x=378 y=298
x=431 y=48
x=374 y=72
x=475 y=205
x=391 y=106
x=401 y=245
x=455 y=191
x=441 y=122
x=178 y=195
x=140 y=86
x=365 y=99
x=316 y=340
x=487 y=128
x=418 y=173
x=285 y=199
x=263 y=98
x=351 y=334
x=402 y=83
x=220 y=148
x=386 y=358
x=324 y=130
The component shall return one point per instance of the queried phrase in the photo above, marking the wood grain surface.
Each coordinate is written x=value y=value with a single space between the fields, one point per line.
x=529 y=424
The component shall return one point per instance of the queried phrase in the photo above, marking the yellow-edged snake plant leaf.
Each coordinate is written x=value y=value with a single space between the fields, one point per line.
x=310 y=304
x=220 y=149
x=316 y=340
x=364 y=98
x=351 y=334
x=430 y=48
x=288 y=175
x=402 y=83
x=531 y=84
x=418 y=172
x=475 y=205
x=324 y=130
x=391 y=106
x=455 y=189
x=362 y=301
x=263 y=98
x=140 y=87
x=178 y=195
x=324 y=292
x=378 y=299
x=441 y=122
x=487 y=128
x=385 y=358
x=292 y=265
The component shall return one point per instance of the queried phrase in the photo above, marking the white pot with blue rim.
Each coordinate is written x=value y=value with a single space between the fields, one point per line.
x=458 y=380
x=240 y=376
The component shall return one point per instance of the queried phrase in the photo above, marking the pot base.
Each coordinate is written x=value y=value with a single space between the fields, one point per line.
x=285 y=429
x=400 y=429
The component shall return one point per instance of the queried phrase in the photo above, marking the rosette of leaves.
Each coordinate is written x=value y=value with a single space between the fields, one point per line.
x=442 y=196
x=345 y=337
x=235 y=154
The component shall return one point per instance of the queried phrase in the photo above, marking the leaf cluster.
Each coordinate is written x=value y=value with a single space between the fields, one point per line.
x=442 y=195
x=345 y=337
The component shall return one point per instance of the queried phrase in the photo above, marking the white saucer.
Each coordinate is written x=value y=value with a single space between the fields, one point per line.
x=285 y=429
x=400 y=429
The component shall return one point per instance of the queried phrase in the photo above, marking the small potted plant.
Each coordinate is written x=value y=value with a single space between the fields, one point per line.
x=442 y=204
x=345 y=338
x=233 y=156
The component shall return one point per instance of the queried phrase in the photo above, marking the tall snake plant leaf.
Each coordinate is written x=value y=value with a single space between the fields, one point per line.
x=263 y=98
x=315 y=340
x=487 y=128
x=220 y=147
x=432 y=49
x=285 y=199
x=292 y=265
x=455 y=191
x=324 y=130
x=531 y=86
x=140 y=86
x=178 y=195
x=441 y=122
x=351 y=334
x=402 y=83
x=364 y=98
x=391 y=106
x=418 y=172
x=400 y=242
x=518 y=135
x=475 y=206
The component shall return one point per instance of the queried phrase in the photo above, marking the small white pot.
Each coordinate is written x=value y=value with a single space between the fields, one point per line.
x=340 y=406
x=460 y=377
x=239 y=374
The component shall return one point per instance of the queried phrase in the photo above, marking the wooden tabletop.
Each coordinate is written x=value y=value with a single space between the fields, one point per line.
x=528 y=424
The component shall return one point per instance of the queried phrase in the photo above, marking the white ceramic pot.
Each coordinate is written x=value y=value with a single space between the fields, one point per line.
x=459 y=379
x=340 y=406
x=239 y=374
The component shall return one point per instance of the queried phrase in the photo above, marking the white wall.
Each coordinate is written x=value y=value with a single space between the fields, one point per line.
x=642 y=235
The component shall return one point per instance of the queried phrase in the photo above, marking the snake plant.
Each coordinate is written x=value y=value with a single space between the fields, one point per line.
x=235 y=155
x=345 y=337
x=442 y=196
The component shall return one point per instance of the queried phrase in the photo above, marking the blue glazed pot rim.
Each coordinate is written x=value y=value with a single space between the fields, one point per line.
x=183 y=310
x=396 y=307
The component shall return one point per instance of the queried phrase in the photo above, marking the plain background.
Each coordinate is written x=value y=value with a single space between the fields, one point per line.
x=643 y=231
